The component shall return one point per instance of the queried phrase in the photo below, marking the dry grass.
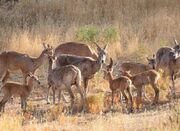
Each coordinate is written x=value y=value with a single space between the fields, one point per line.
x=142 y=27
x=166 y=117
x=140 y=24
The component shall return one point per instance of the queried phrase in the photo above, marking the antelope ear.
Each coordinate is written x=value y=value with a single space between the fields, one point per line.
x=175 y=41
x=105 y=47
x=154 y=56
x=48 y=45
x=30 y=74
x=147 y=58
x=44 y=45
x=99 y=48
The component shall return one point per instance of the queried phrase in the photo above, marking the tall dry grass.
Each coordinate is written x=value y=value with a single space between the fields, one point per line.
x=142 y=24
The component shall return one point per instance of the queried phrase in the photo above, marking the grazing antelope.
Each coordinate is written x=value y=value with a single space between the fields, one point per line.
x=148 y=77
x=12 y=61
x=10 y=89
x=120 y=84
x=87 y=65
x=62 y=78
x=74 y=48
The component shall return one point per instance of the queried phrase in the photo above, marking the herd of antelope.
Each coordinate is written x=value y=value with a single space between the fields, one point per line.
x=72 y=63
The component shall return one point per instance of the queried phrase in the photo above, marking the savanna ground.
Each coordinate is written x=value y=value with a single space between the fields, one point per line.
x=133 y=30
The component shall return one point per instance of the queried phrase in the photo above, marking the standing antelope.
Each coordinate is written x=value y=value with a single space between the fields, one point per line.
x=165 y=58
x=12 y=61
x=74 y=48
x=119 y=84
x=10 y=89
x=87 y=65
x=64 y=77
x=148 y=77
x=165 y=54
x=136 y=68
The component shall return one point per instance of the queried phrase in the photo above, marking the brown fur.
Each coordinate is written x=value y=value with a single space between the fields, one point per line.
x=74 y=48
x=144 y=78
x=10 y=89
x=87 y=65
x=119 y=84
x=12 y=61
x=134 y=68
x=64 y=77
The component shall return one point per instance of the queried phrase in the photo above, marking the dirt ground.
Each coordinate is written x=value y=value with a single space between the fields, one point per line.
x=43 y=116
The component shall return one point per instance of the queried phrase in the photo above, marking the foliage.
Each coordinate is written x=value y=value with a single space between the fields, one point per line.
x=87 y=34
x=110 y=34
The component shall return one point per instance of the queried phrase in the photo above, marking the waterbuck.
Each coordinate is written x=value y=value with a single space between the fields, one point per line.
x=62 y=78
x=74 y=48
x=148 y=77
x=10 y=89
x=13 y=61
x=120 y=84
x=87 y=65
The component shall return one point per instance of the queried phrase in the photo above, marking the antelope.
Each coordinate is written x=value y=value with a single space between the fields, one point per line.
x=62 y=78
x=165 y=58
x=148 y=77
x=120 y=84
x=87 y=65
x=74 y=48
x=165 y=54
x=12 y=61
x=50 y=82
x=136 y=68
x=10 y=89
x=174 y=66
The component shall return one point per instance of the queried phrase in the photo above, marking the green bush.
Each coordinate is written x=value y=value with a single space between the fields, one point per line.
x=110 y=34
x=87 y=34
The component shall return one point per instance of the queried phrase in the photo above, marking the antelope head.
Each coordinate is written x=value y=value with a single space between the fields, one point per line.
x=152 y=62
x=177 y=47
x=101 y=53
x=48 y=50
x=33 y=78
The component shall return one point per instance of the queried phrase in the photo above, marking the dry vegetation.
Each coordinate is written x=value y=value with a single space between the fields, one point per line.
x=134 y=29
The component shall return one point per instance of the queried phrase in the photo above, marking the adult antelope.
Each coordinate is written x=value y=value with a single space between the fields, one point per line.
x=74 y=48
x=87 y=65
x=12 y=61
x=136 y=68
x=165 y=59
x=165 y=54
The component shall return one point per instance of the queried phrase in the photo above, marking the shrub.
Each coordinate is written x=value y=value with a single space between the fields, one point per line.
x=87 y=34
x=110 y=34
